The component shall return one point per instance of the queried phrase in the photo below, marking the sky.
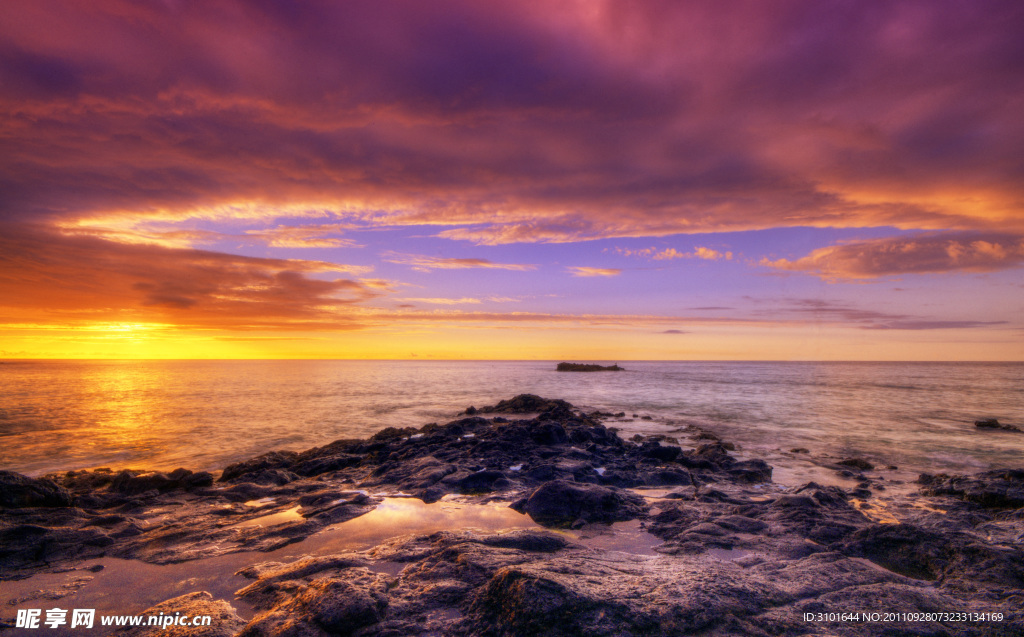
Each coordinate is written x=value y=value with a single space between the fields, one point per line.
x=568 y=180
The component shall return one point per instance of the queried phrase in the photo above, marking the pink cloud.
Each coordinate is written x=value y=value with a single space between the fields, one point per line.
x=155 y=233
x=311 y=236
x=667 y=254
x=922 y=254
x=521 y=122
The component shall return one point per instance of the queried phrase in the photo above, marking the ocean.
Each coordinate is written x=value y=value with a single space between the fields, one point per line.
x=203 y=415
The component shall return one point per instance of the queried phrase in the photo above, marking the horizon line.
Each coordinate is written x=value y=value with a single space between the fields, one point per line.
x=514 y=360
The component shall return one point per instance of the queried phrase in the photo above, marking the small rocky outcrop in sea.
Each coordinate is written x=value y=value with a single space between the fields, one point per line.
x=857 y=463
x=992 y=423
x=587 y=367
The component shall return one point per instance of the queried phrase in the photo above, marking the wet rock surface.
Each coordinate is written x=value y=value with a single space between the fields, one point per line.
x=663 y=539
x=18 y=491
x=568 y=504
x=224 y=621
x=993 y=489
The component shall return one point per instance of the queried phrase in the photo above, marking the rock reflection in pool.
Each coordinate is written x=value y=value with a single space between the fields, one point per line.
x=726 y=555
x=291 y=515
x=624 y=537
x=402 y=516
x=130 y=586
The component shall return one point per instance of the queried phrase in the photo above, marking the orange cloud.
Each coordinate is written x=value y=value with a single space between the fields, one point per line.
x=144 y=230
x=710 y=254
x=312 y=236
x=922 y=254
x=588 y=271
x=442 y=301
x=88 y=279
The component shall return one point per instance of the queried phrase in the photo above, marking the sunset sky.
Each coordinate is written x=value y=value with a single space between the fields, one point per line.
x=578 y=180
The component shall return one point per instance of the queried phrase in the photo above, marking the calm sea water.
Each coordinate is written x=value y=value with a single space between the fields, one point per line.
x=59 y=415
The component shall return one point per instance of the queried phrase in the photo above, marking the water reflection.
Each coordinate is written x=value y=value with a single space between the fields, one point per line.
x=402 y=516
x=129 y=587
x=59 y=415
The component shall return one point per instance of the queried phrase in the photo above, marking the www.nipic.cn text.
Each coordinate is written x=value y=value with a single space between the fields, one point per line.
x=86 y=618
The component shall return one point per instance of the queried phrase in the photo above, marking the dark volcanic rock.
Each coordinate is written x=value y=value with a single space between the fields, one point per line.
x=23 y=545
x=536 y=541
x=526 y=403
x=1001 y=489
x=390 y=433
x=654 y=449
x=755 y=470
x=954 y=558
x=18 y=491
x=480 y=482
x=518 y=602
x=271 y=460
x=338 y=604
x=275 y=477
x=533 y=583
x=901 y=548
x=326 y=464
x=562 y=504
x=857 y=463
x=549 y=434
x=820 y=514
x=131 y=482
x=667 y=477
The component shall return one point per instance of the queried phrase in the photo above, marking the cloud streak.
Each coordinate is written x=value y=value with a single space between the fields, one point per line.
x=586 y=271
x=443 y=301
x=928 y=254
x=819 y=311
x=314 y=236
x=424 y=263
x=667 y=254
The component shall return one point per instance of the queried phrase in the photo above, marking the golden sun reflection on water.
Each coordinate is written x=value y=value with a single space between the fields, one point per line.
x=125 y=402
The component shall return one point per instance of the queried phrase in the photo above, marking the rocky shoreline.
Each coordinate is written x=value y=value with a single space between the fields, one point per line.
x=733 y=553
